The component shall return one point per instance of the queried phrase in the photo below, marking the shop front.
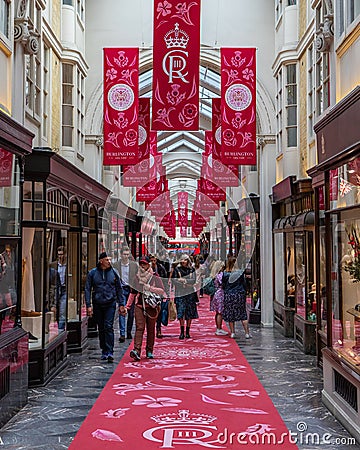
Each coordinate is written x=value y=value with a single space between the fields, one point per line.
x=336 y=180
x=63 y=211
x=15 y=143
x=249 y=217
x=295 y=307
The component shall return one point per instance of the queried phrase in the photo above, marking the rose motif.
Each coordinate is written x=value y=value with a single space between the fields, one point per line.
x=190 y=111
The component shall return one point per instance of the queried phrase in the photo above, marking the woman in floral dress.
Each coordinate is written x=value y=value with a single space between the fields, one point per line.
x=234 y=286
x=217 y=300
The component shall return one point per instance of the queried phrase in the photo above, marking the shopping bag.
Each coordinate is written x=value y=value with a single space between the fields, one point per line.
x=172 y=313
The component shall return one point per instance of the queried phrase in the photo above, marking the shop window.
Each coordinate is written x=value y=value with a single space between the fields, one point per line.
x=56 y=282
x=306 y=300
x=322 y=257
x=57 y=206
x=344 y=185
x=290 y=270
x=345 y=289
x=8 y=280
x=32 y=285
x=279 y=272
x=9 y=194
x=33 y=200
x=74 y=274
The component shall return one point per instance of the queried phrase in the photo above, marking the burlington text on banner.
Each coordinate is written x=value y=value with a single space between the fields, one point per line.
x=121 y=106
x=238 y=106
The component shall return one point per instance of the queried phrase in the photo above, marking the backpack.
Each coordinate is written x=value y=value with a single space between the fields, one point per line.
x=209 y=286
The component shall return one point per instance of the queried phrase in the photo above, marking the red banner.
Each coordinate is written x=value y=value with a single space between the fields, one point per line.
x=238 y=106
x=139 y=174
x=222 y=174
x=144 y=128
x=121 y=107
x=214 y=192
x=216 y=127
x=148 y=169
x=6 y=168
x=176 y=61
x=183 y=212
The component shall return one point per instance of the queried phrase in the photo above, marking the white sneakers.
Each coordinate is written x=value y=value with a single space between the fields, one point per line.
x=221 y=332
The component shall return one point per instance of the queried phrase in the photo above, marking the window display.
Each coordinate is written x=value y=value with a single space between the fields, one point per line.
x=346 y=284
x=8 y=275
x=279 y=272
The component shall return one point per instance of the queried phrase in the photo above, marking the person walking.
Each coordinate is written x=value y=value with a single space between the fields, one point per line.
x=184 y=278
x=60 y=265
x=217 y=300
x=234 y=285
x=145 y=315
x=102 y=291
x=127 y=270
x=159 y=269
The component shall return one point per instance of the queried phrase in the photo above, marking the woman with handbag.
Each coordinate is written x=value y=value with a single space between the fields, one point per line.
x=184 y=278
x=148 y=290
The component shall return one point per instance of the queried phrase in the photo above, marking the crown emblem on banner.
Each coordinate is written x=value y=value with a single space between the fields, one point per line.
x=176 y=38
x=183 y=417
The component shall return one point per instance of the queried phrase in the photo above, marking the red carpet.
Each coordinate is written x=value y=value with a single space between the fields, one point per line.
x=197 y=393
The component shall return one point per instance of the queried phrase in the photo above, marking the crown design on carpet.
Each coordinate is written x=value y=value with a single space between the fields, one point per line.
x=176 y=38
x=183 y=417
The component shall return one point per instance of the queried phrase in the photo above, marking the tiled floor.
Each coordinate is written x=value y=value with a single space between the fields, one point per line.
x=55 y=412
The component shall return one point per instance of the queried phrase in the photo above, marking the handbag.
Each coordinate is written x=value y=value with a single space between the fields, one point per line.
x=151 y=298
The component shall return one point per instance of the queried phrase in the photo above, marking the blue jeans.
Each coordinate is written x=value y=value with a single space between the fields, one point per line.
x=104 y=317
x=62 y=308
x=130 y=314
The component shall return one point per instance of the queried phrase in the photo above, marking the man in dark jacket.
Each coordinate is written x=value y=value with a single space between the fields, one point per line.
x=103 y=289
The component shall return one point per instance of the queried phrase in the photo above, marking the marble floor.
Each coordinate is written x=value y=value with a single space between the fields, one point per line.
x=55 y=412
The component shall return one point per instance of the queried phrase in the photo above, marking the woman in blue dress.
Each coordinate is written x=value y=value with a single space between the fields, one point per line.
x=234 y=286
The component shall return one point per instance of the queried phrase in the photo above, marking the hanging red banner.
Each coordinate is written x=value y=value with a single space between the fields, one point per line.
x=183 y=209
x=216 y=127
x=151 y=167
x=144 y=128
x=139 y=174
x=238 y=106
x=6 y=168
x=176 y=61
x=121 y=106
x=214 y=192
x=222 y=174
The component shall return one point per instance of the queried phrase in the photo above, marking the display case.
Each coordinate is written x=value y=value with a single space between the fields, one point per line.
x=15 y=143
